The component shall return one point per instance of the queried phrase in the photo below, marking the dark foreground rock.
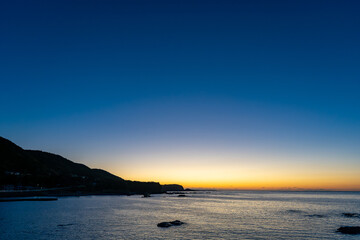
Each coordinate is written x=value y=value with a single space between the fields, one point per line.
x=169 y=224
x=349 y=230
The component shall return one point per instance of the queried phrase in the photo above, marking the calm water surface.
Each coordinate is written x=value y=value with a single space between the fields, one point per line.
x=209 y=215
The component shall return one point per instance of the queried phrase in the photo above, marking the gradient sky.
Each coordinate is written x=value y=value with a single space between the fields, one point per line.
x=215 y=94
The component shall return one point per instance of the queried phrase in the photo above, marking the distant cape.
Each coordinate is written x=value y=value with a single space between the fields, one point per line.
x=47 y=173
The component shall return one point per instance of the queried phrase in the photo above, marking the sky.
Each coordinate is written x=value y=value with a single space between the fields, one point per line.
x=207 y=94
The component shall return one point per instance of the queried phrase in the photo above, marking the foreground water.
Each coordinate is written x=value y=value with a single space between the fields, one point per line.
x=209 y=215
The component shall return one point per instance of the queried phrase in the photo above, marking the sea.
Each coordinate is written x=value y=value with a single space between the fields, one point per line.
x=206 y=214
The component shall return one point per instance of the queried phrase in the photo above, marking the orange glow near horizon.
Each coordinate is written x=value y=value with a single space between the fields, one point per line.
x=239 y=171
x=267 y=177
x=348 y=183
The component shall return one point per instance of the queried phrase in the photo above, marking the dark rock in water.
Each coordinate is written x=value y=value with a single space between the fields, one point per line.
x=146 y=195
x=349 y=230
x=164 y=224
x=351 y=215
x=169 y=224
x=177 y=222
x=181 y=195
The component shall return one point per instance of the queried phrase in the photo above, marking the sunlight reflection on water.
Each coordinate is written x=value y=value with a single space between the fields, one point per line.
x=214 y=215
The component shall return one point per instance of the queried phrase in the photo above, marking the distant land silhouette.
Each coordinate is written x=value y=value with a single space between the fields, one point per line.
x=30 y=172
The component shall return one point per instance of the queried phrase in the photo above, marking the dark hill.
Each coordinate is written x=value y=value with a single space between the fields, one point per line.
x=29 y=169
x=172 y=187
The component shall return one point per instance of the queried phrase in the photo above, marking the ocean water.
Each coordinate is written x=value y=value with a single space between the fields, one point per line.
x=208 y=215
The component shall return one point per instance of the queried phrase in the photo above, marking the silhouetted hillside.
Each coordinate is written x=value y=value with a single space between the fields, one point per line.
x=172 y=187
x=29 y=169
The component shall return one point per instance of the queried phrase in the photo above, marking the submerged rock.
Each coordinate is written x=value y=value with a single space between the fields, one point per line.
x=181 y=195
x=169 y=224
x=351 y=215
x=145 y=195
x=349 y=230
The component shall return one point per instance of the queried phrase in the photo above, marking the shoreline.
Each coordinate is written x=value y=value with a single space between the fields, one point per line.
x=22 y=199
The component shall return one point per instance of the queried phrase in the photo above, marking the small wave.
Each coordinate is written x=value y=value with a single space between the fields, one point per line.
x=315 y=215
x=65 y=225
x=351 y=215
x=294 y=211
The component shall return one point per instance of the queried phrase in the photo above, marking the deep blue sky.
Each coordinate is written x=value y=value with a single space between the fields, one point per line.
x=91 y=78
